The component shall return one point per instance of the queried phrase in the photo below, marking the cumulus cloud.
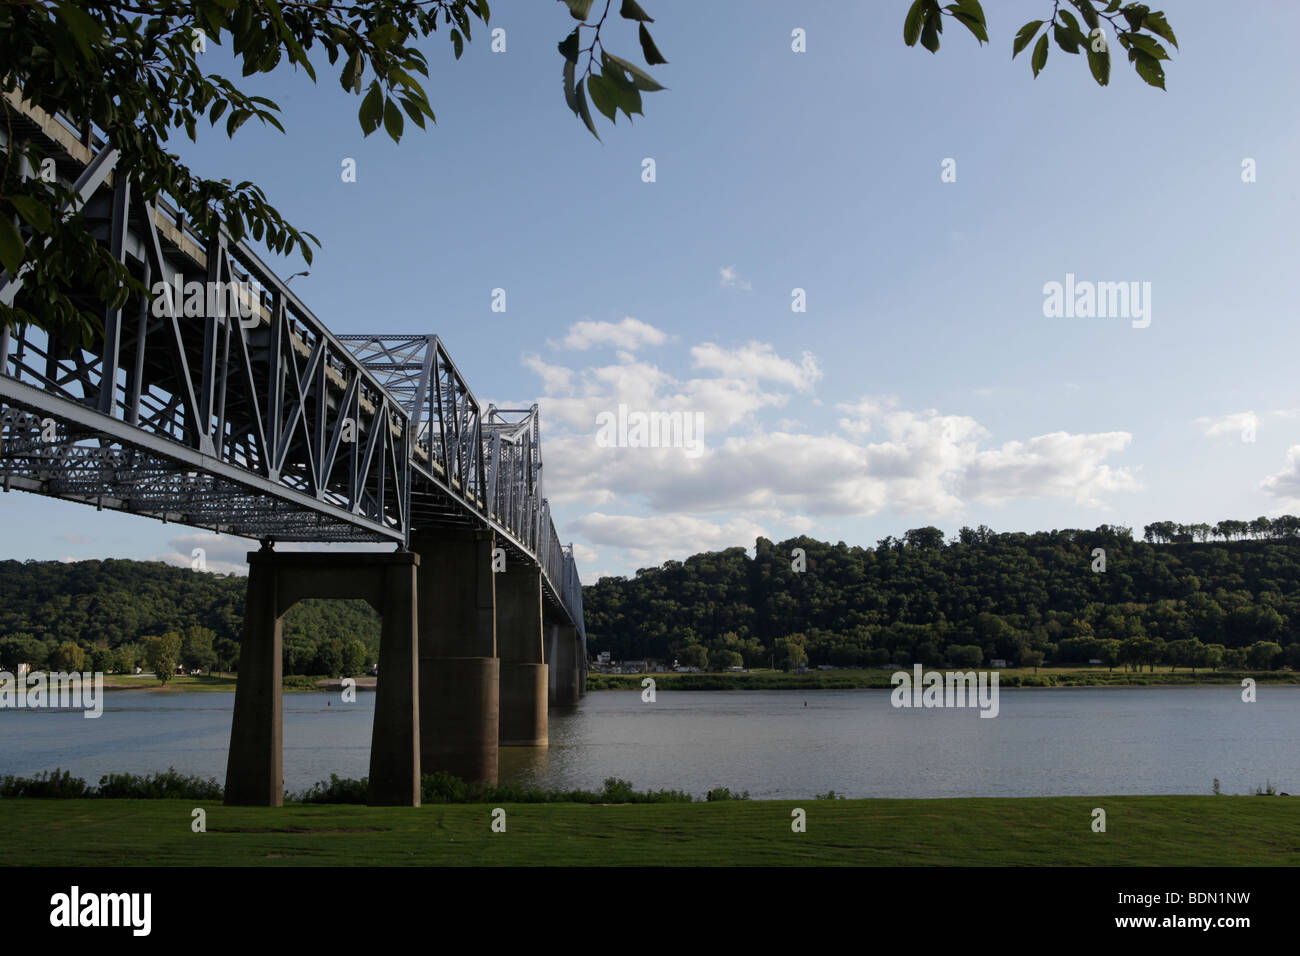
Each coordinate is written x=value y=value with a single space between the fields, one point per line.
x=774 y=475
x=652 y=539
x=1285 y=484
x=629 y=334
x=758 y=361
x=228 y=554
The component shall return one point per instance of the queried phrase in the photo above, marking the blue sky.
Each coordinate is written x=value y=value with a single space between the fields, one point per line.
x=923 y=385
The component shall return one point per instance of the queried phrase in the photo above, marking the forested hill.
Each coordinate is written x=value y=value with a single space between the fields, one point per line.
x=107 y=607
x=1012 y=596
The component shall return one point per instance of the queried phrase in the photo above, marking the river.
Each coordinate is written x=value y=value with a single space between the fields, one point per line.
x=775 y=744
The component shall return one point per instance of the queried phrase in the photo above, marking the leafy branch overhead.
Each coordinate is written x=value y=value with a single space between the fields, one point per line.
x=619 y=83
x=924 y=22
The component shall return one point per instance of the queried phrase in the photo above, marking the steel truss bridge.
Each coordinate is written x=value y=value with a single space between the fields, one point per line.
x=254 y=419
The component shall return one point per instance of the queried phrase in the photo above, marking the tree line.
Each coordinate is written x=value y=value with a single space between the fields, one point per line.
x=1063 y=597
x=115 y=615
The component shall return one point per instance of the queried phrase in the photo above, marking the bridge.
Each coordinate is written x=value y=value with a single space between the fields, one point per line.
x=221 y=401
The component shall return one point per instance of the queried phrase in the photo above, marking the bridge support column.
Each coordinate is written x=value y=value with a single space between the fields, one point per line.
x=276 y=582
x=255 y=764
x=524 y=674
x=565 y=664
x=460 y=673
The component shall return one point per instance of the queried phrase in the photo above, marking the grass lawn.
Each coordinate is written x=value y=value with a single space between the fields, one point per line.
x=1141 y=831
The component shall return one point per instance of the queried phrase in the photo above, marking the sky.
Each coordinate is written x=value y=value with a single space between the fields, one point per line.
x=923 y=384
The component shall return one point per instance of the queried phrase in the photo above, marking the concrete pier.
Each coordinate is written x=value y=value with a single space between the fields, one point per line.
x=566 y=664
x=276 y=582
x=520 y=646
x=459 y=669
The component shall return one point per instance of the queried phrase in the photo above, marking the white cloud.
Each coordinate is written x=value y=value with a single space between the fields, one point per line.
x=629 y=334
x=758 y=361
x=1235 y=424
x=1285 y=485
x=730 y=279
x=1059 y=465
x=654 y=539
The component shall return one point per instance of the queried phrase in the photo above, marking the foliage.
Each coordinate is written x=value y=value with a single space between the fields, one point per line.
x=153 y=786
x=135 y=73
x=115 y=605
x=443 y=787
x=720 y=794
x=163 y=653
x=45 y=784
x=159 y=786
x=1127 y=21
x=1200 y=605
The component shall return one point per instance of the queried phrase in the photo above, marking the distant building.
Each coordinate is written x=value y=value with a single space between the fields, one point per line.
x=997 y=662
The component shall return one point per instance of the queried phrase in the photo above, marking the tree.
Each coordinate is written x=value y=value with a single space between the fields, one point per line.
x=1211 y=656
x=354 y=658
x=1263 y=655
x=125 y=657
x=1032 y=659
x=721 y=659
x=163 y=653
x=196 y=648
x=966 y=655
x=694 y=655
x=1108 y=652
x=135 y=72
x=69 y=658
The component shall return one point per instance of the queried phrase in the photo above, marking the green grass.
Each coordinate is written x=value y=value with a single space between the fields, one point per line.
x=204 y=682
x=1141 y=831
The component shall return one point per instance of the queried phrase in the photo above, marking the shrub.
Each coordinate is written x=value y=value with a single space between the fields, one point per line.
x=54 y=783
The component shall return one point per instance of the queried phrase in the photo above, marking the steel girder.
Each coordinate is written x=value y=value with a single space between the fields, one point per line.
x=263 y=424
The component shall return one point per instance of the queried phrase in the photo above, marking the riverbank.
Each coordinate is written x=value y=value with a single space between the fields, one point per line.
x=293 y=683
x=1039 y=831
x=849 y=679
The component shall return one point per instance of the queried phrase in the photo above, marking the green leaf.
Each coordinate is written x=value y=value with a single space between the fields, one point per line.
x=578 y=9
x=1149 y=45
x=585 y=113
x=1157 y=24
x=648 y=48
x=1149 y=68
x=11 y=246
x=1089 y=12
x=640 y=78
x=1023 y=36
x=372 y=108
x=912 y=25
x=458 y=42
x=350 y=78
x=970 y=23
x=1099 y=63
x=631 y=10
x=603 y=95
x=570 y=97
x=83 y=27
x=1040 y=54
x=393 y=122
x=1064 y=38
x=33 y=210
x=569 y=47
